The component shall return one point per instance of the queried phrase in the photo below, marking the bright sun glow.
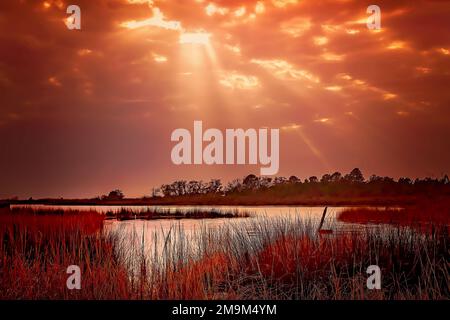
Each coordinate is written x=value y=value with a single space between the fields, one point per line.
x=195 y=38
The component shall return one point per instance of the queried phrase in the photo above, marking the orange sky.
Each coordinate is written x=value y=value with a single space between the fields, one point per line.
x=86 y=111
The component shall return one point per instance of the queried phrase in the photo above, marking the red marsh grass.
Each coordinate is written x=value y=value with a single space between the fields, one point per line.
x=158 y=213
x=423 y=217
x=288 y=260
x=278 y=258
x=36 y=247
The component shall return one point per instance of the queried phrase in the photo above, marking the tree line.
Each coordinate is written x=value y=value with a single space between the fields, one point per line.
x=353 y=182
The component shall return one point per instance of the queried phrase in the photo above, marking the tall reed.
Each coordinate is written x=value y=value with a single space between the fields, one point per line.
x=260 y=258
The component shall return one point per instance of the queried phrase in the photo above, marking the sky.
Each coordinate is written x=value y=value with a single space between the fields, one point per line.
x=86 y=111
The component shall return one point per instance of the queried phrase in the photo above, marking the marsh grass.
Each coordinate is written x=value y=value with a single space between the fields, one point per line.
x=284 y=258
x=160 y=213
x=422 y=217
x=261 y=258
x=37 y=248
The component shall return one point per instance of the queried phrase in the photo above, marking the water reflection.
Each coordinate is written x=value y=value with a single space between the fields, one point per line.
x=163 y=241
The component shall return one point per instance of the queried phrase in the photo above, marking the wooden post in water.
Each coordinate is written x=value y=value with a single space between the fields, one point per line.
x=323 y=219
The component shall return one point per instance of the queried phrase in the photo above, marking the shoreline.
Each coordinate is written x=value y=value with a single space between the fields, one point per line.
x=311 y=203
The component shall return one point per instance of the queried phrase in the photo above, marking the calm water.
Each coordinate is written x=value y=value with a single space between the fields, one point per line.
x=257 y=212
x=161 y=238
x=313 y=214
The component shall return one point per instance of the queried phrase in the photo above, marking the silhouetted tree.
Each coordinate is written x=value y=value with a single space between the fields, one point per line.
x=265 y=182
x=336 y=177
x=234 y=186
x=293 y=179
x=404 y=181
x=334 y=185
x=326 y=178
x=355 y=176
x=251 y=182
x=280 y=180
x=214 y=186
x=374 y=178
x=114 y=195
x=194 y=187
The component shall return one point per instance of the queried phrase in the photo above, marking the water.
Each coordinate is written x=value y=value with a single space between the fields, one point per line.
x=313 y=214
x=162 y=238
x=266 y=212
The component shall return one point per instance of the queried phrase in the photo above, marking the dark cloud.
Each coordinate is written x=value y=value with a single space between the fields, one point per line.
x=86 y=111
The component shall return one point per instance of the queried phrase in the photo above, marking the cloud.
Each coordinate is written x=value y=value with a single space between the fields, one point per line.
x=328 y=56
x=333 y=88
x=444 y=51
x=397 y=45
x=194 y=38
x=149 y=2
x=296 y=27
x=212 y=9
x=323 y=120
x=233 y=48
x=235 y=80
x=54 y=82
x=157 y=20
x=291 y=127
x=320 y=41
x=98 y=96
x=260 y=8
x=240 y=12
x=84 y=52
x=159 y=58
x=389 y=96
x=285 y=71
x=284 y=3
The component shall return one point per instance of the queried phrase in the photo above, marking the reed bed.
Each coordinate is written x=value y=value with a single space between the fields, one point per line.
x=284 y=258
x=36 y=249
x=422 y=217
x=261 y=258
x=160 y=213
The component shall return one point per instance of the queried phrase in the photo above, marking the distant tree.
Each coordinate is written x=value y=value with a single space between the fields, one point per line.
x=114 y=195
x=166 y=190
x=375 y=178
x=280 y=180
x=313 y=179
x=293 y=179
x=251 y=182
x=180 y=187
x=234 y=186
x=156 y=192
x=194 y=187
x=326 y=178
x=265 y=182
x=355 y=176
x=336 y=177
x=404 y=181
x=214 y=186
